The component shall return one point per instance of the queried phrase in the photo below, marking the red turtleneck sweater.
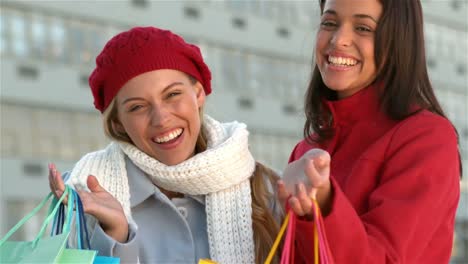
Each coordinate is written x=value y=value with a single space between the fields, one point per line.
x=395 y=186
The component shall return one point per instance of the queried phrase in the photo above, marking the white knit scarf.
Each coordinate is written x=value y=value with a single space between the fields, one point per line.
x=221 y=173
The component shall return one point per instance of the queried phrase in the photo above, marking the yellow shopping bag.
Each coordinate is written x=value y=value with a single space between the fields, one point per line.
x=322 y=252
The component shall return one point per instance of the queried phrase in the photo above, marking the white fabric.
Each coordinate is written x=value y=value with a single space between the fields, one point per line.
x=221 y=173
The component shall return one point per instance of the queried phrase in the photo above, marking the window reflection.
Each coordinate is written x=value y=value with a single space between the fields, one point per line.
x=256 y=72
x=97 y=41
x=76 y=36
x=3 y=40
x=57 y=40
x=18 y=32
x=233 y=65
x=39 y=37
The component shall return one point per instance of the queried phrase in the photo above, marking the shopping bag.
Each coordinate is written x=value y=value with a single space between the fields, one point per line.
x=40 y=250
x=83 y=243
x=206 y=261
x=75 y=212
x=322 y=253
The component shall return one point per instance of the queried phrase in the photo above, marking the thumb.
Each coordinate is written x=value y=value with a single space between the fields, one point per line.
x=93 y=184
x=322 y=164
x=317 y=171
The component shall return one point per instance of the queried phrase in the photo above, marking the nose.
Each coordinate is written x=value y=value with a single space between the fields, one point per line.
x=159 y=115
x=342 y=37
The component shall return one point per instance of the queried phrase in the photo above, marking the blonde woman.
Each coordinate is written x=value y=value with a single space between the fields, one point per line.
x=174 y=186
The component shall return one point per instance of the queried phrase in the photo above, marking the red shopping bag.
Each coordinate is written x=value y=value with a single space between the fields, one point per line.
x=322 y=254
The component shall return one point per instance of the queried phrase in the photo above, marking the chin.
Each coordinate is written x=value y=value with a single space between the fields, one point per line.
x=337 y=86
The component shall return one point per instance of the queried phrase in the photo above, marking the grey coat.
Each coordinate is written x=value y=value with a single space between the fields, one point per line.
x=168 y=231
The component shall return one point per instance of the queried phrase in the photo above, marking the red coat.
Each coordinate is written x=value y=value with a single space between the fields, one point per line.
x=395 y=186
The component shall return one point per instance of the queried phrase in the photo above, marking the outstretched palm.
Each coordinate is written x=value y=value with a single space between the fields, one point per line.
x=98 y=203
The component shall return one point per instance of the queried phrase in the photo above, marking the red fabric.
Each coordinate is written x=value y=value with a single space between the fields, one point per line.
x=395 y=186
x=140 y=50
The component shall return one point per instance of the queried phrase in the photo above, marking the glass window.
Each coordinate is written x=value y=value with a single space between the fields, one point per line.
x=257 y=74
x=211 y=55
x=92 y=43
x=39 y=37
x=57 y=40
x=18 y=32
x=233 y=69
x=96 y=42
x=276 y=71
x=289 y=87
x=3 y=34
x=20 y=120
x=237 y=5
x=76 y=36
x=8 y=143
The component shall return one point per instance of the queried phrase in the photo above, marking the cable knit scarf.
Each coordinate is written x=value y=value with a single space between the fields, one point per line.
x=221 y=173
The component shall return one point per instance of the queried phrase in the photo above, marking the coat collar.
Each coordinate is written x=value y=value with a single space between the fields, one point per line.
x=363 y=105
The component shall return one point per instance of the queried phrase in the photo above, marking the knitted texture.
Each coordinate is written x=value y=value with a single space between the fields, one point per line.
x=140 y=50
x=221 y=173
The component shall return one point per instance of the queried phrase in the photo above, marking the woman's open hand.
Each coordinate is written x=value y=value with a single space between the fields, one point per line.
x=98 y=203
x=317 y=171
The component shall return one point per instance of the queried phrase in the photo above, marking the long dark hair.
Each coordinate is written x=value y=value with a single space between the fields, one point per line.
x=400 y=59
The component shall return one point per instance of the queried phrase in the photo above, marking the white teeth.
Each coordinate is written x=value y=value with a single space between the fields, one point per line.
x=169 y=137
x=342 y=61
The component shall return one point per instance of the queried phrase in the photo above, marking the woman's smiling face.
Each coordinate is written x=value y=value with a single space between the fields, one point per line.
x=345 y=44
x=159 y=111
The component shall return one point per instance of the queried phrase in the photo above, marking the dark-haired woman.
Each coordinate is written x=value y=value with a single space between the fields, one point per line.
x=390 y=191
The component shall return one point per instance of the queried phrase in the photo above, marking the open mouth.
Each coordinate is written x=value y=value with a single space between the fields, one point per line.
x=171 y=137
x=341 y=61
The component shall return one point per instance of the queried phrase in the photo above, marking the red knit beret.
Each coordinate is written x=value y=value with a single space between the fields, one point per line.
x=140 y=50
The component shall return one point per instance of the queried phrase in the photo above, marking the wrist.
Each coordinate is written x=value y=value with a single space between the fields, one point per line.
x=325 y=199
x=119 y=233
x=120 y=236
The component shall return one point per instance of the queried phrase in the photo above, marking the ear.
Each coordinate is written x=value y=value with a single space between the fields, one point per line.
x=200 y=92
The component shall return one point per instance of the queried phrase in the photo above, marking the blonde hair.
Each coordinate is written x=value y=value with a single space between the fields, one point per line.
x=265 y=227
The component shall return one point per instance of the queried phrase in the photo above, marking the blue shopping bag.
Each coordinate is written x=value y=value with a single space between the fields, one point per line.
x=81 y=231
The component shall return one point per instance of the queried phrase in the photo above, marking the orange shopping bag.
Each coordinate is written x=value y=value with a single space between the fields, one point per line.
x=322 y=254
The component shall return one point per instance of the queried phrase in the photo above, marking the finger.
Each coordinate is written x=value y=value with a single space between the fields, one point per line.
x=51 y=180
x=322 y=165
x=304 y=199
x=295 y=205
x=283 y=194
x=86 y=200
x=95 y=206
x=93 y=184
x=322 y=162
x=58 y=181
x=316 y=180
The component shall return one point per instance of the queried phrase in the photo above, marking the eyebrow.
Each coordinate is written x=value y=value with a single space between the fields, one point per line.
x=333 y=12
x=163 y=91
